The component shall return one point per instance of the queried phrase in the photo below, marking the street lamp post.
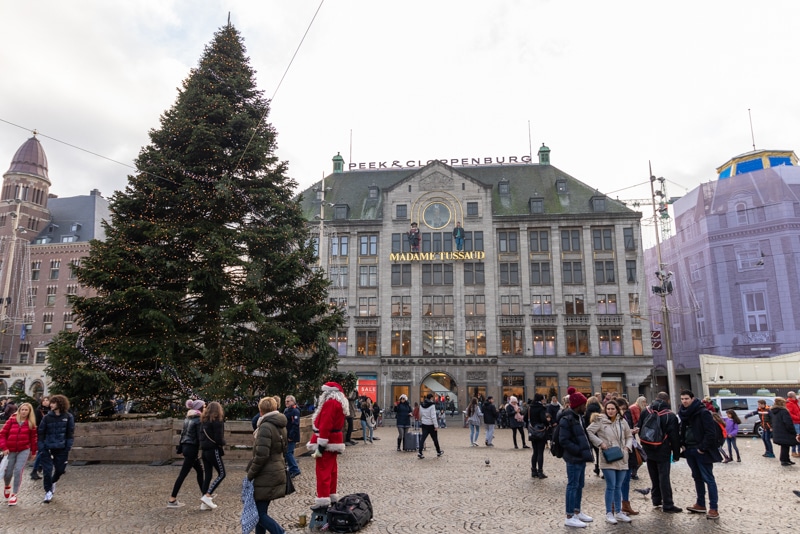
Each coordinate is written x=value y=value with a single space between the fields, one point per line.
x=663 y=290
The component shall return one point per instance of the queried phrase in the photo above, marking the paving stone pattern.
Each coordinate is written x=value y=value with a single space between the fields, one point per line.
x=455 y=493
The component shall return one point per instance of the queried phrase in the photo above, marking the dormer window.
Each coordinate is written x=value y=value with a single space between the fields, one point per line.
x=504 y=188
x=536 y=205
x=75 y=227
x=561 y=186
x=340 y=211
x=373 y=192
x=69 y=238
x=598 y=204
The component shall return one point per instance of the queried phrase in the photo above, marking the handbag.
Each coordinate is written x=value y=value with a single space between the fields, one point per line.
x=537 y=432
x=289 y=483
x=612 y=454
x=370 y=421
x=250 y=516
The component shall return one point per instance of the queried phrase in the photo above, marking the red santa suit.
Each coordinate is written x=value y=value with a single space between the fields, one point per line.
x=327 y=440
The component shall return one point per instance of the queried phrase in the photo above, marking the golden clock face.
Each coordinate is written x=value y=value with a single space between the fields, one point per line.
x=436 y=215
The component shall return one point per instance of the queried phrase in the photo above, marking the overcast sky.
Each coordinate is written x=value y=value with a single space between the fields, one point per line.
x=608 y=86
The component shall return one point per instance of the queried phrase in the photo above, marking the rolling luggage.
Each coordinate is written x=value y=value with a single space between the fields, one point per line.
x=411 y=440
x=350 y=513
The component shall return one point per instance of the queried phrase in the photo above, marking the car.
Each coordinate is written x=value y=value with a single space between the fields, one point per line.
x=743 y=405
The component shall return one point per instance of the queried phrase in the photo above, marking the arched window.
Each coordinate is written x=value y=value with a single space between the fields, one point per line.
x=742 y=214
x=37 y=390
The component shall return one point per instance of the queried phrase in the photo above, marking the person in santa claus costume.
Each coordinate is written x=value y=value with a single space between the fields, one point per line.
x=327 y=441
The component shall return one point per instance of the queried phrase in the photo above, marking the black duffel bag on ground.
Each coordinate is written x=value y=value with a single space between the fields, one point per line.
x=350 y=513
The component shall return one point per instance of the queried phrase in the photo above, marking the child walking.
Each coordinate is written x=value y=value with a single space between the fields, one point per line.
x=732 y=423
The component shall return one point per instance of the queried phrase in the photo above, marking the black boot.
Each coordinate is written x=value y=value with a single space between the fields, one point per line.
x=542 y=475
x=399 y=444
x=534 y=473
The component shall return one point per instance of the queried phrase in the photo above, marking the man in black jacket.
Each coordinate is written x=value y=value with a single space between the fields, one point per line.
x=698 y=438
x=577 y=451
x=658 y=456
x=490 y=414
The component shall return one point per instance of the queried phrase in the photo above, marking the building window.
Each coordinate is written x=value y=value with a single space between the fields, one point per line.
x=368 y=306
x=577 y=342
x=755 y=311
x=638 y=346
x=401 y=274
x=572 y=272
x=604 y=272
x=749 y=259
x=368 y=245
x=437 y=274
x=504 y=188
x=509 y=274
x=401 y=306
x=472 y=209
x=695 y=273
x=338 y=340
x=540 y=273
x=475 y=342
x=69 y=238
x=507 y=241
x=742 y=214
x=41 y=357
x=630 y=242
x=509 y=305
x=474 y=305
x=542 y=304
x=570 y=240
x=338 y=276
x=32 y=297
x=700 y=320
x=473 y=274
x=630 y=270
x=23 y=357
x=598 y=204
x=368 y=276
x=401 y=342
x=437 y=242
x=610 y=342
x=536 y=206
x=544 y=342
x=473 y=241
x=633 y=303
x=339 y=246
x=338 y=302
x=606 y=304
x=51 y=296
x=561 y=186
x=401 y=211
x=437 y=306
x=574 y=305
x=36 y=267
x=400 y=243
x=539 y=240
x=511 y=342
x=367 y=342
x=602 y=239
x=373 y=192
x=340 y=212
x=437 y=343
x=73 y=268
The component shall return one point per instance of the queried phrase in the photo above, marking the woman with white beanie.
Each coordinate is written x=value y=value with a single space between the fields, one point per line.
x=189 y=446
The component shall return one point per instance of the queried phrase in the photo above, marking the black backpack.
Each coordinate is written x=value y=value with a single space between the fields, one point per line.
x=555 y=446
x=650 y=430
x=350 y=513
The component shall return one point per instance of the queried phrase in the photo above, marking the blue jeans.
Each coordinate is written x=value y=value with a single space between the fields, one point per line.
x=366 y=431
x=614 y=479
x=626 y=485
x=474 y=433
x=575 y=480
x=291 y=461
x=703 y=474
x=265 y=522
x=459 y=243
x=37 y=464
x=766 y=437
x=796 y=448
x=489 y=433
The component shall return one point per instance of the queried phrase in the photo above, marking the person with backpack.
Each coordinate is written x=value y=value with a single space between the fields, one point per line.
x=538 y=427
x=573 y=443
x=659 y=434
x=700 y=439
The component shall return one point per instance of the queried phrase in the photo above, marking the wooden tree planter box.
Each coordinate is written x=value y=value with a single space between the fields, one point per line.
x=154 y=440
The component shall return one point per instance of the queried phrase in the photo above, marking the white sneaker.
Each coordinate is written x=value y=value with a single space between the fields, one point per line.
x=574 y=522
x=583 y=517
x=610 y=518
x=208 y=502
x=48 y=496
x=204 y=506
x=622 y=516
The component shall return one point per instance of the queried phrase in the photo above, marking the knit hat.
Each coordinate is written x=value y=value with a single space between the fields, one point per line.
x=576 y=398
x=513 y=400
x=403 y=397
x=195 y=404
x=332 y=386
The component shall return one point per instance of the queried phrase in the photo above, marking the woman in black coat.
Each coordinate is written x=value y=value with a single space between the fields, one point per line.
x=537 y=417
x=783 y=432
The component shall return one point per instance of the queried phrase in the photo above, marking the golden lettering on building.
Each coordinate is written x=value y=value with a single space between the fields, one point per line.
x=438 y=256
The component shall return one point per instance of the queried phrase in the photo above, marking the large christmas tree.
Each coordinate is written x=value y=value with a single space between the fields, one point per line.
x=206 y=281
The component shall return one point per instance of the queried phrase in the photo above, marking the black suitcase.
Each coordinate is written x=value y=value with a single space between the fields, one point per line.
x=350 y=513
x=411 y=441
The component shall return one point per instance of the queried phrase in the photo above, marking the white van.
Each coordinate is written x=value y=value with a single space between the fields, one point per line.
x=743 y=405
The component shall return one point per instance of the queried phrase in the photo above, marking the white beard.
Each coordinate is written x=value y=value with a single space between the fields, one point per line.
x=326 y=395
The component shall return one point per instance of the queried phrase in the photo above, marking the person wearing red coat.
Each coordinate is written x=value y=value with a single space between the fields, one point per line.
x=327 y=441
x=18 y=441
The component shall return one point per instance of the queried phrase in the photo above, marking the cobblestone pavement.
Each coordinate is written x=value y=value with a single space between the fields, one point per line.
x=455 y=493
